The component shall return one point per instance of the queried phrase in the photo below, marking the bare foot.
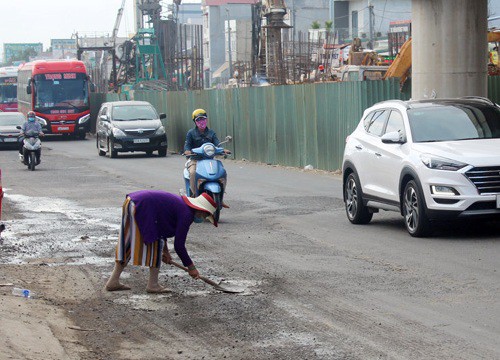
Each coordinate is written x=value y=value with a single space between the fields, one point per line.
x=117 y=287
x=158 y=290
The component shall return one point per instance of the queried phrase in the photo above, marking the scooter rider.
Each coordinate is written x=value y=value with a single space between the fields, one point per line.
x=196 y=137
x=30 y=126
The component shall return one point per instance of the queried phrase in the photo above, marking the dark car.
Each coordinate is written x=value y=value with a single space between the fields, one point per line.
x=128 y=126
x=8 y=131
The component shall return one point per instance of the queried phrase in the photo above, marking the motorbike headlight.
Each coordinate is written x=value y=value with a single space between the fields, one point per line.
x=84 y=119
x=209 y=150
x=160 y=131
x=118 y=133
x=42 y=121
x=441 y=163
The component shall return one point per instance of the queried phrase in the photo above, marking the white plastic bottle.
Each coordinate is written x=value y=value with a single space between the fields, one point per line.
x=23 y=293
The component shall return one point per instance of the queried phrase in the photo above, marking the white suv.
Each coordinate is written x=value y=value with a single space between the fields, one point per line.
x=428 y=159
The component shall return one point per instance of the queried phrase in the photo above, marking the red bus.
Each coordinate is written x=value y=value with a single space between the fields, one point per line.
x=58 y=91
x=8 y=88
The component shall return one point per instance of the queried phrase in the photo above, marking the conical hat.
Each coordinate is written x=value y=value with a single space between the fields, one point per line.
x=204 y=202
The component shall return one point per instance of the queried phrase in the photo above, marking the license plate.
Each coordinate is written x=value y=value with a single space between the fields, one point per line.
x=498 y=201
x=140 y=141
x=10 y=139
x=62 y=128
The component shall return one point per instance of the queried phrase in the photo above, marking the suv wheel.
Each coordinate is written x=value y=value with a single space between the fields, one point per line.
x=356 y=211
x=416 y=220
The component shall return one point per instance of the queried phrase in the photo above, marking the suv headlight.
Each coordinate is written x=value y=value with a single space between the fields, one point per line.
x=84 y=119
x=42 y=121
x=118 y=133
x=160 y=131
x=441 y=163
x=209 y=150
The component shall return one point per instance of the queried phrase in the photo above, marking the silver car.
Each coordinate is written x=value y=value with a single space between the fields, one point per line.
x=9 y=134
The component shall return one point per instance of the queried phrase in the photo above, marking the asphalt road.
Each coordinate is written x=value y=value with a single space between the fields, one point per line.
x=317 y=286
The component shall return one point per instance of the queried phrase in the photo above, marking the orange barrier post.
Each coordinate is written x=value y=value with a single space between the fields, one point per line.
x=1 y=194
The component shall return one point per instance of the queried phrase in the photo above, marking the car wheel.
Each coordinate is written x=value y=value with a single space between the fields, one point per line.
x=416 y=221
x=162 y=152
x=356 y=211
x=112 y=152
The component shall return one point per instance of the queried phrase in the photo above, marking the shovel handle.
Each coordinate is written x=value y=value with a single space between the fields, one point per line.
x=208 y=281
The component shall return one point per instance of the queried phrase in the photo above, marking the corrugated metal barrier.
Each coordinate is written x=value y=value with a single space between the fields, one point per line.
x=293 y=125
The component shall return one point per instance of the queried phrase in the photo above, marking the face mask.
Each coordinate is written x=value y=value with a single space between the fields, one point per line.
x=31 y=119
x=198 y=220
x=201 y=124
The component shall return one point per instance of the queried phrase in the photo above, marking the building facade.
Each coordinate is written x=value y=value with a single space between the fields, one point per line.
x=215 y=45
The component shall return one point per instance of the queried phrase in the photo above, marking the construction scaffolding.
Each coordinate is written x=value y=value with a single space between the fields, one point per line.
x=182 y=50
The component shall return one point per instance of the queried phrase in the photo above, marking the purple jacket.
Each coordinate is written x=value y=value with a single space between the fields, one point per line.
x=162 y=215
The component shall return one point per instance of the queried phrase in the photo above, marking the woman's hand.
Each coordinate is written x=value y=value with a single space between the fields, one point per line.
x=194 y=274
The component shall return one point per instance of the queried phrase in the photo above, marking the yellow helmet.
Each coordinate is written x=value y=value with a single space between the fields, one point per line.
x=199 y=113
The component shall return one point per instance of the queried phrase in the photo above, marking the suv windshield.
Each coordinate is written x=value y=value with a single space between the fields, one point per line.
x=134 y=112
x=454 y=122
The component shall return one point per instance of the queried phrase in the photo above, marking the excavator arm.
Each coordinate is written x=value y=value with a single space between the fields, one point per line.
x=401 y=65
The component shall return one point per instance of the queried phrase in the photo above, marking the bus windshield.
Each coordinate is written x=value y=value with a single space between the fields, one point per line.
x=8 y=90
x=58 y=91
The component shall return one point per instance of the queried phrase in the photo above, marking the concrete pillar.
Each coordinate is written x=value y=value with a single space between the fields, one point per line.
x=449 y=48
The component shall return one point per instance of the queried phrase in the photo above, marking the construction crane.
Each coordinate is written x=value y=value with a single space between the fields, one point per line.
x=117 y=24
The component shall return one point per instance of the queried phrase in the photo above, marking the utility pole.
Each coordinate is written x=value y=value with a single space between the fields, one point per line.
x=230 y=58
x=372 y=21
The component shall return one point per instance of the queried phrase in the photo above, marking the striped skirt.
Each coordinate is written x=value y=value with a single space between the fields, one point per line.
x=130 y=244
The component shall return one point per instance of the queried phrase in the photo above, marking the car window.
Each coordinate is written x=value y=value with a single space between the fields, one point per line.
x=134 y=112
x=377 y=122
x=395 y=122
x=454 y=122
x=368 y=119
x=7 y=119
x=104 y=111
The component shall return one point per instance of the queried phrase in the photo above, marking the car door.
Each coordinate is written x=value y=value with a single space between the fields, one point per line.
x=101 y=128
x=368 y=146
x=389 y=159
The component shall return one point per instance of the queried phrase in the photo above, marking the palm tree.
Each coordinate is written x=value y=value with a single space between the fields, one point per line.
x=315 y=25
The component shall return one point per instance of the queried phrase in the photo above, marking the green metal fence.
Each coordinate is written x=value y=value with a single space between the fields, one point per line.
x=293 y=125
x=288 y=125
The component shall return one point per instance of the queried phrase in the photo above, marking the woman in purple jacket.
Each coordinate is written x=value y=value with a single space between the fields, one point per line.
x=149 y=217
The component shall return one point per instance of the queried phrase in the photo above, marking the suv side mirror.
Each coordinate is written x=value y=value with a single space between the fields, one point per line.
x=163 y=116
x=393 y=137
x=104 y=118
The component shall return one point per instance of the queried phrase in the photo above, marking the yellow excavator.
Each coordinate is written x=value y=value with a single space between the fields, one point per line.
x=401 y=66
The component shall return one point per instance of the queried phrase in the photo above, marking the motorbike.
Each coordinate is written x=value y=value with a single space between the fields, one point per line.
x=32 y=148
x=211 y=177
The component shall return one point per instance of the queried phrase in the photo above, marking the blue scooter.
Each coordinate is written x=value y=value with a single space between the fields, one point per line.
x=211 y=177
